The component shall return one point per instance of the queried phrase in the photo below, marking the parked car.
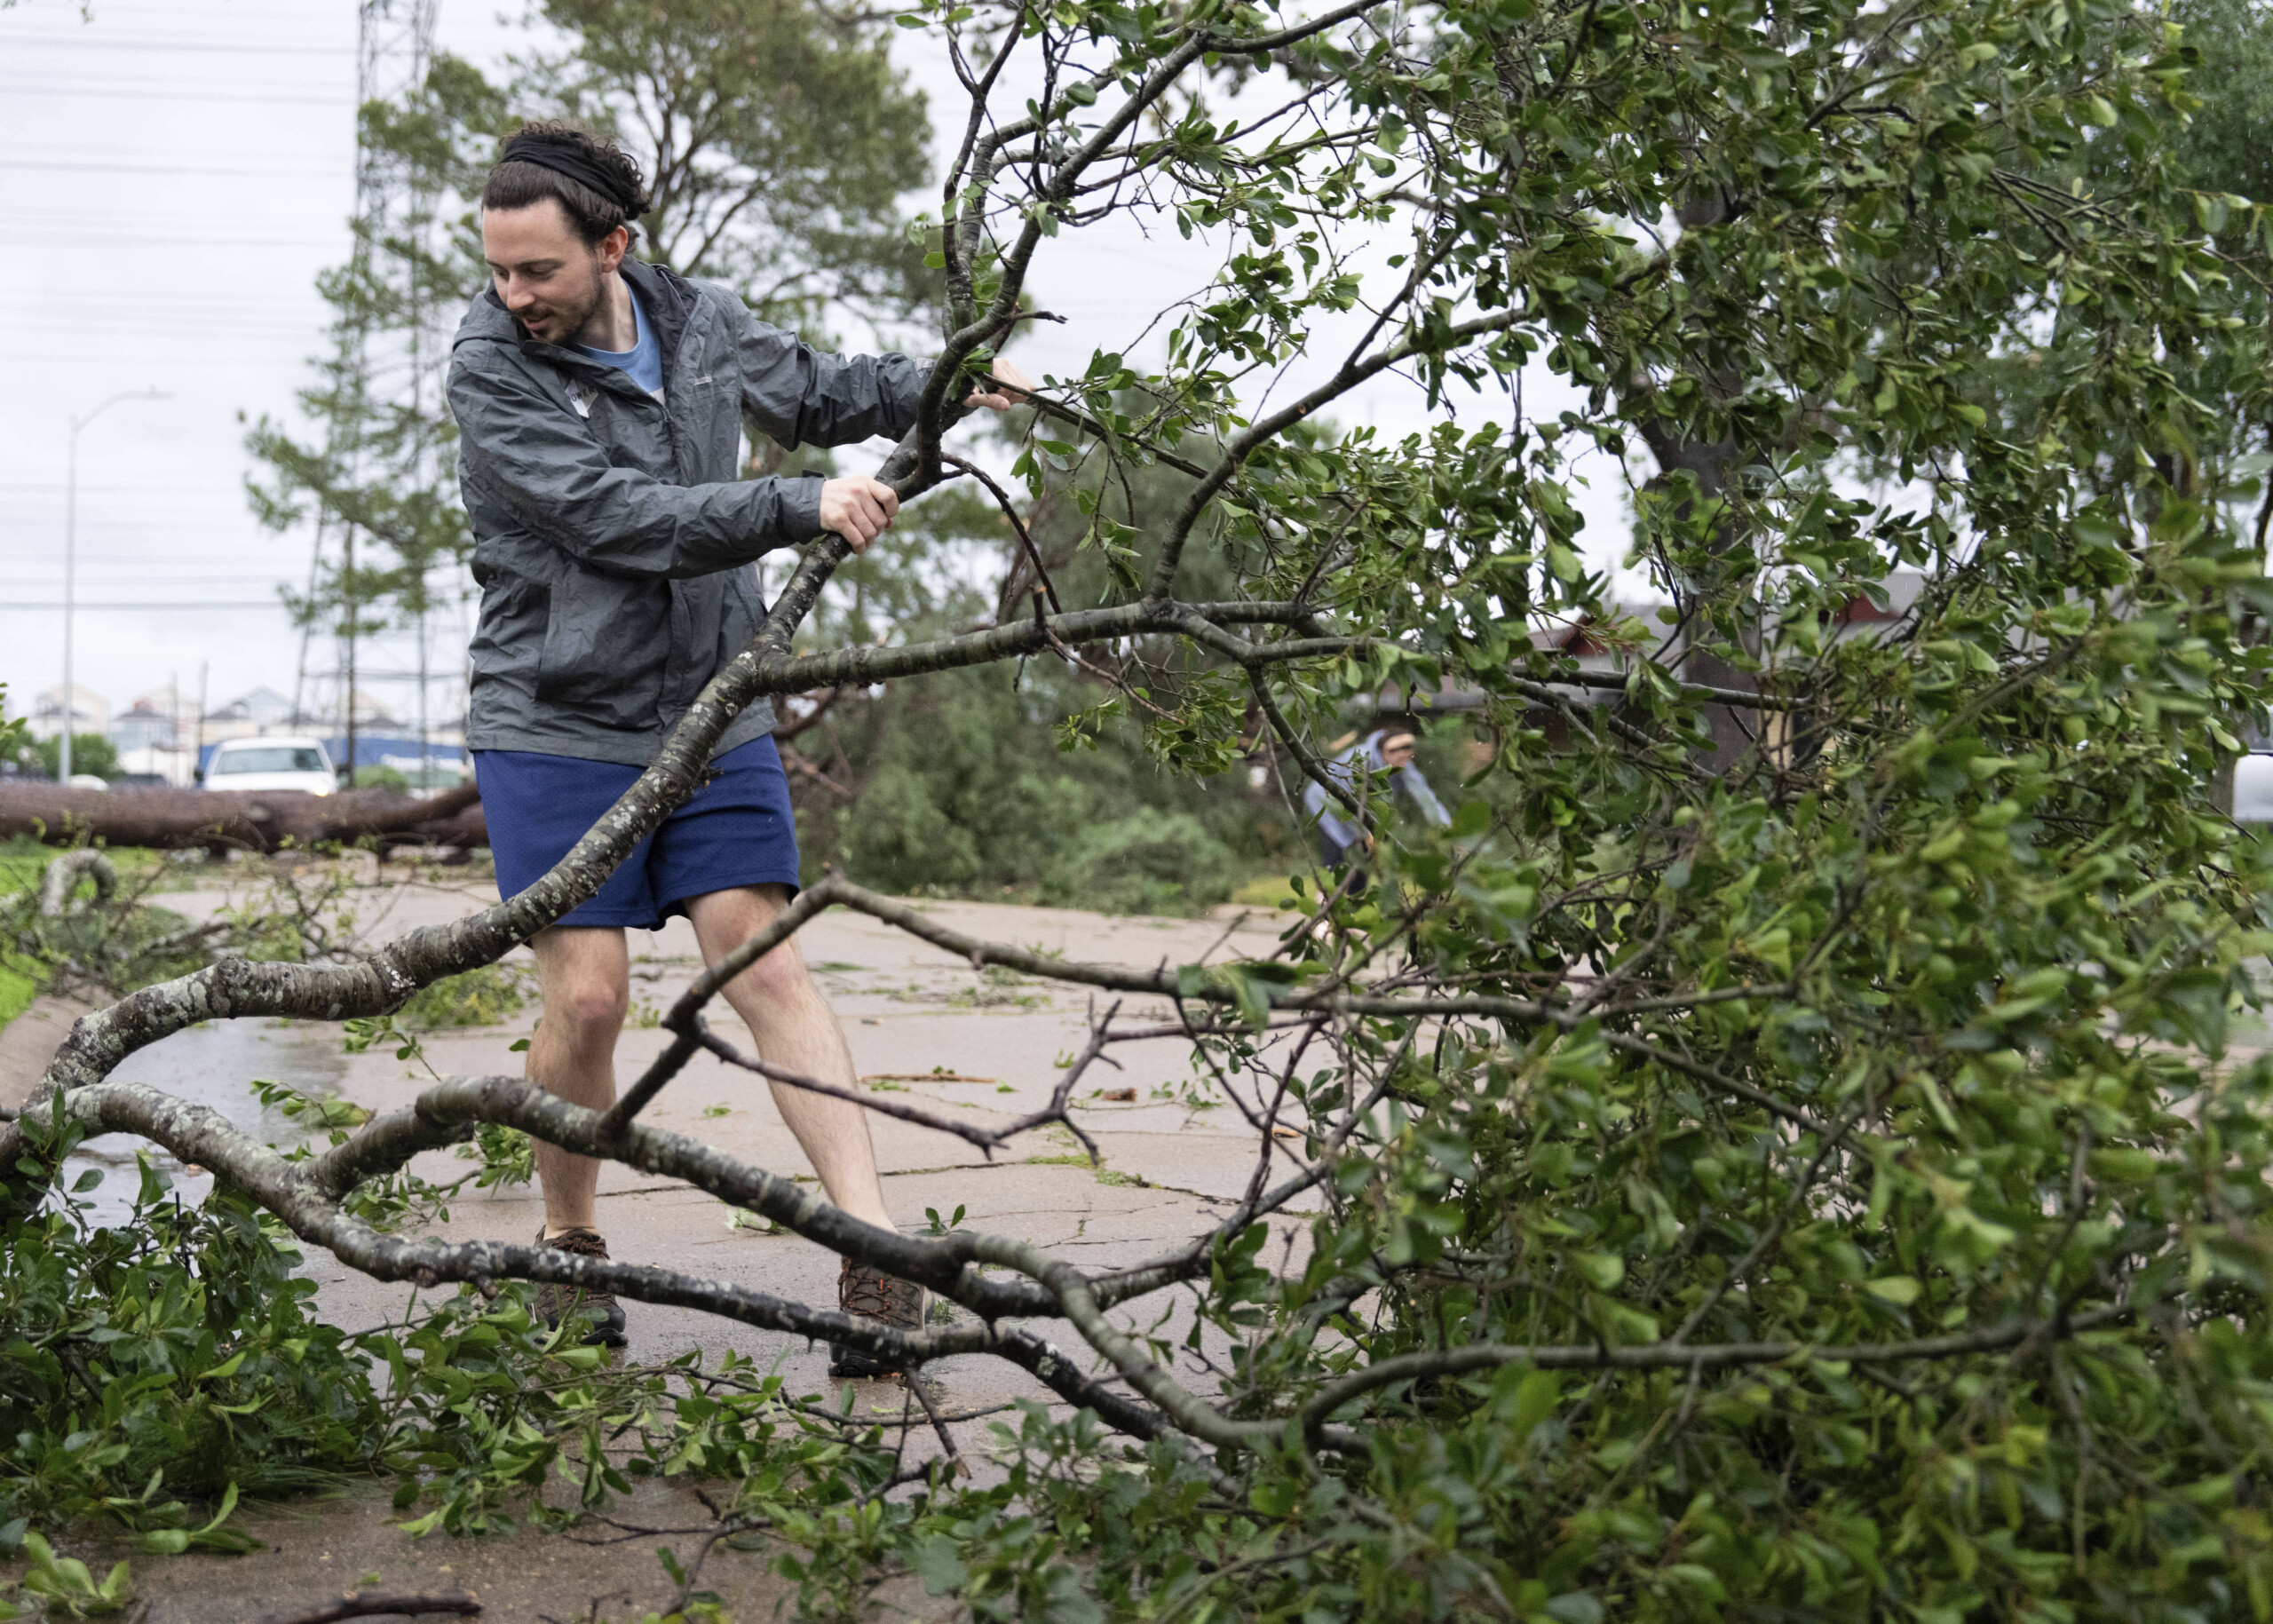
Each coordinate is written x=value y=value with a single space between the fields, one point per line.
x=270 y=763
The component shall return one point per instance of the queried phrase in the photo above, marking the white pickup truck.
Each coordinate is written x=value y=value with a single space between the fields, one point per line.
x=273 y=762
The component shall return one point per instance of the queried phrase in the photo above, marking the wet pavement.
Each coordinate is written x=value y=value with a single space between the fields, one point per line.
x=925 y=1027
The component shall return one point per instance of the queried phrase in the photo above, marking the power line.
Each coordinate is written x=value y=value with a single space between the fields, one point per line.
x=162 y=228
x=170 y=10
x=284 y=343
x=173 y=606
x=159 y=82
x=262 y=578
x=235 y=324
x=244 y=97
x=128 y=42
x=173 y=362
x=160 y=239
x=82 y=303
x=156 y=487
x=171 y=169
x=81 y=149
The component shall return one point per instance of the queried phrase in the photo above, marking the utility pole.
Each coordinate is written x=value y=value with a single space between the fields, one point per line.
x=71 y=564
x=307 y=625
x=354 y=608
x=425 y=736
x=197 y=760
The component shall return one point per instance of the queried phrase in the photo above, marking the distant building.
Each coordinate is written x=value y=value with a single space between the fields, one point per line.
x=90 y=711
x=370 y=712
x=264 y=711
x=143 y=726
x=172 y=765
x=154 y=736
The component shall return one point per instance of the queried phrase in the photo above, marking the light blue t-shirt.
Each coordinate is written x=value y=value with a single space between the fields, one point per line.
x=644 y=361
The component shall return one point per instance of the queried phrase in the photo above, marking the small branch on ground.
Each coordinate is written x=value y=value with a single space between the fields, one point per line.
x=381 y=1604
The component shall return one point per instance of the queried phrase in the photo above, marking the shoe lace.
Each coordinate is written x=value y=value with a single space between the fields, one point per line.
x=580 y=1242
x=863 y=1291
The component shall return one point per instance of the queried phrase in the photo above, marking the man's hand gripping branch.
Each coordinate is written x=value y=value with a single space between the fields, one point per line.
x=860 y=508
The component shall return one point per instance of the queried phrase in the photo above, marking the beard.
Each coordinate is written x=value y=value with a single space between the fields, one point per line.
x=562 y=318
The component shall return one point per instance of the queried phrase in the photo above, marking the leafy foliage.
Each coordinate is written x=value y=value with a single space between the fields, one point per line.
x=1851 y=1205
x=175 y=1359
x=1791 y=1148
x=102 y=945
x=960 y=787
x=955 y=782
x=90 y=753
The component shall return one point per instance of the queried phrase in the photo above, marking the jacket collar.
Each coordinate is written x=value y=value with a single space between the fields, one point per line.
x=667 y=297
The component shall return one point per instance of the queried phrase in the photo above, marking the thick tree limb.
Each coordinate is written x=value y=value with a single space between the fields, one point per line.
x=246 y=820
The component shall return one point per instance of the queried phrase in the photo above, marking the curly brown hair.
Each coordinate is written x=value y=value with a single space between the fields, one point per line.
x=515 y=184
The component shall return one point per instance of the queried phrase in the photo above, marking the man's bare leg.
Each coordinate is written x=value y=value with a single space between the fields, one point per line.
x=793 y=1028
x=586 y=978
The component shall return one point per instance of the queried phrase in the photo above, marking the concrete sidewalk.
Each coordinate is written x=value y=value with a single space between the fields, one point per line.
x=925 y=1027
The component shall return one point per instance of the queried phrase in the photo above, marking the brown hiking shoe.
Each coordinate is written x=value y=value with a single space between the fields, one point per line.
x=873 y=1295
x=556 y=1302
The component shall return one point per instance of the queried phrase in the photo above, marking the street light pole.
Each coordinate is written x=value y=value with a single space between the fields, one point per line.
x=71 y=558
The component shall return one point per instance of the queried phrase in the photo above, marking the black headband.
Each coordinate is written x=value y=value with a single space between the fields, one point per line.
x=564 y=154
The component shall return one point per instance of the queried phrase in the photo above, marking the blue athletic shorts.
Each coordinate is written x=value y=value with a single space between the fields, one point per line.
x=735 y=831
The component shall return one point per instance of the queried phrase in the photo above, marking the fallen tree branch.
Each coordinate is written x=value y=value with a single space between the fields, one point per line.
x=1216 y=990
x=305 y=1196
x=985 y=1139
x=1697 y=1356
x=63 y=877
x=242 y=819
x=380 y=1603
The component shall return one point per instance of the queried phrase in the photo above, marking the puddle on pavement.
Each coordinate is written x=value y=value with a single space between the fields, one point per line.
x=212 y=1064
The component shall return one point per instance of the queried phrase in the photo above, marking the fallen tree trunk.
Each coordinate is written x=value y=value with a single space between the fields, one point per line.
x=248 y=820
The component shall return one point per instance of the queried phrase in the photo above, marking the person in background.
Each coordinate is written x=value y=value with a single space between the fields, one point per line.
x=1387 y=748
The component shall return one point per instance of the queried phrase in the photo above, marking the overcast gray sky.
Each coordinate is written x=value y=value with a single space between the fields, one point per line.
x=185 y=168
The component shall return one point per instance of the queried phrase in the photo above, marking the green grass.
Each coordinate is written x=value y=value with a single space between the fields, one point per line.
x=17 y=991
x=1269 y=890
x=23 y=860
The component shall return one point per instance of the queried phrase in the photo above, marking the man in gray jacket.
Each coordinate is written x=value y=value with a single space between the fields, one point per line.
x=599 y=404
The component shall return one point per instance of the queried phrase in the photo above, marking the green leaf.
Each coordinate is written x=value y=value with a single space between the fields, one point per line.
x=934 y=1561
x=1603 y=1270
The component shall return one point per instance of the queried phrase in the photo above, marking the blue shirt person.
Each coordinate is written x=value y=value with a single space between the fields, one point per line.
x=1387 y=749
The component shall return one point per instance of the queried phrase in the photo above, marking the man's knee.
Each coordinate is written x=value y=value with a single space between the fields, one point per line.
x=588 y=1013
x=779 y=975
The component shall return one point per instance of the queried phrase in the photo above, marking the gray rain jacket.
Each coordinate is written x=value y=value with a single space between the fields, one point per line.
x=611 y=539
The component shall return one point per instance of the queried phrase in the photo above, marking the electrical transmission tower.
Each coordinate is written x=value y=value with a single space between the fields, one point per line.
x=394 y=43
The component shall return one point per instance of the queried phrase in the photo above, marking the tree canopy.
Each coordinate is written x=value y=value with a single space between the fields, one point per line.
x=1794 y=1146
